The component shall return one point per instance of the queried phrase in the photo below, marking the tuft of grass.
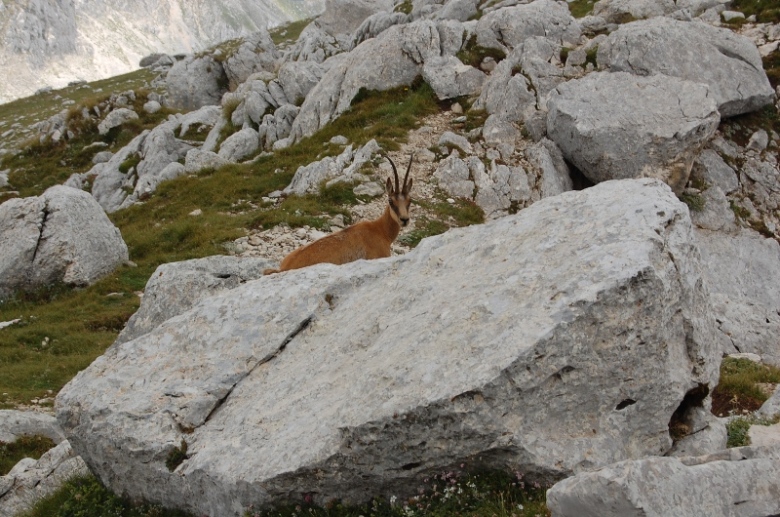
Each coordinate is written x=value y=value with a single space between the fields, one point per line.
x=581 y=8
x=176 y=456
x=87 y=497
x=695 y=202
x=24 y=447
x=424 y=227
x=739 y=388
x=404 y=7
x=286 y=34
x=772 y=68
x=737 y=432
x=473 y=54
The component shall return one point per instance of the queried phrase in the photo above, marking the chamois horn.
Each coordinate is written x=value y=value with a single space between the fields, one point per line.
x=406 y=177
x=395 y=171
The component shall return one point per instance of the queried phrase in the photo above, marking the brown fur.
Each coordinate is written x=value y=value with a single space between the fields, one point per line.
x=363 y=240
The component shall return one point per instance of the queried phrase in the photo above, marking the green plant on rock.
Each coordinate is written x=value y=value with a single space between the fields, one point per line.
x=695 y=202
x=737 y=432
x=176 y=456
x=473 y=54
x=24 y=447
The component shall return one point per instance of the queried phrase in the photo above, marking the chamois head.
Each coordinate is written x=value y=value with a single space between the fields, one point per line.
x=399 y=197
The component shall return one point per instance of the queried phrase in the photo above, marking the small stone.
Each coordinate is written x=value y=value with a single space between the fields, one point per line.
x=450 y=201
x=758 y=141
x=196 y=212
x=339 y=140
x=457 y=108
x=732 y=15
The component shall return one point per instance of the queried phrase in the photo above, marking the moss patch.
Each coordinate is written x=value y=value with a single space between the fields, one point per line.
x=25 y=447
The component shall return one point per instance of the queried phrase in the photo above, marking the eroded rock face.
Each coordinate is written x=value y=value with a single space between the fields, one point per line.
x=256 y=53
x=507 y=28
x=556 y=340
x=727 y=62
x=739 y=481
x=618 y=125
x=62 y=236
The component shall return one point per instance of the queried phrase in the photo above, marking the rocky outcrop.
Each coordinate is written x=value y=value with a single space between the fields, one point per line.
x=240 y=145
x=564 y=361
x=116 y=118
x=450 y=78
x=62 y=236
x=739 y=481
x=727 y=62
x=342 y=168
x=15 y=424
x=617 y=125
x=176 y=287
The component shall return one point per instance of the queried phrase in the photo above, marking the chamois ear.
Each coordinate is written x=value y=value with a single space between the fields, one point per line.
x=389 y=187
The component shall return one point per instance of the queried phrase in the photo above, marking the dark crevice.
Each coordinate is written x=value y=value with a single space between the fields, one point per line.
x=625 y=403
x=410 y=466
x=292 y=335
x=43 y=227
x=681 y=423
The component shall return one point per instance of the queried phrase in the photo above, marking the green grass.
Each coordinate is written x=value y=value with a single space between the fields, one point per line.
x=772 y=68
x=450 y=494
x=739 y=389
x=695 y=202
x=737 y=432
x=289 y=33
x=25 y=447
x=473 y=54
x=86 y=497
x=766 y=11
x=581 y=8
x=37 y=108
x=41 y=165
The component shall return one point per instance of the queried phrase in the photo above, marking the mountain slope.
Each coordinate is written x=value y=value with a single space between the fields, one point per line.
x=54 y=42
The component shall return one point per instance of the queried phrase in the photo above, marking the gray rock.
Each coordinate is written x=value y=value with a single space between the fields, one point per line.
x=30 y=481
x=758 y=141
x=152 y=107
x=376 y=24
x=734 y=482
x=240 y=145
x=507 y=28
x=716 y=215
x=704 y=434
x=454 y=178
x=450 y=78
x=657 y=133
x=314 y=44
x=371 y=189
x=176 y=287
x=207 y=117
x=254 y=53
x=710 y=169
x=501 y=189
x=15 y=424
x=506 y=92
x=102 y=157
x=297 y=78
x=622 y=11
x=62 y=236
x=146 y=185
x=552 y=174
x=344 y=168
x=343 y=17
x=727 y=62
x=453 y=140
x=732 y=15
x=197 y=160
x=276 y=388
x=771 y=407
x=741 y=271
x=497 y=131
x=195 y=82
x=116 y=118
x=460 y=10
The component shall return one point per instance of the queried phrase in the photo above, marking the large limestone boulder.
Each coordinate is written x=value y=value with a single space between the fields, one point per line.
x=174 y=288
x=507 y=28
x=116 y=118
x=742 y=271
x=240 y=145
x=195 y=82
x=618 y=125
x=63 y=236
x=733 y=482
x=560 y=339
x=622 y=11
x=725 y=61
x=450 y=78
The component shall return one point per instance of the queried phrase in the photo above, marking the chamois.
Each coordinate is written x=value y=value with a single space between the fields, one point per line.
x=363 y=240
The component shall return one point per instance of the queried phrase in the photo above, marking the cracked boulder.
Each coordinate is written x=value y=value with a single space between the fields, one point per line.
x=618 y=125
x=195 y=82
x=732 y=482
x=559 y=339
x=63 y=236
x=507 y=28
x=725 y=61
